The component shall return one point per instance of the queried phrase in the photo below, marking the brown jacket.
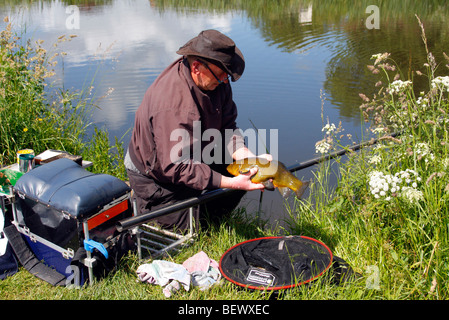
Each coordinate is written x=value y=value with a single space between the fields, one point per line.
x=173 y=102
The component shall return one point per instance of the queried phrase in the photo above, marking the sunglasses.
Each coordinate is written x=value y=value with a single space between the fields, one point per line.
x=215 y=76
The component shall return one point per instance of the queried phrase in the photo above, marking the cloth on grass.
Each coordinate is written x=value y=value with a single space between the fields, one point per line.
x=203 y=270
x=198 y=270
x=163 y=273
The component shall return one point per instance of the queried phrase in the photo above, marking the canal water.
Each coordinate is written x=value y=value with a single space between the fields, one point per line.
x=305 y=60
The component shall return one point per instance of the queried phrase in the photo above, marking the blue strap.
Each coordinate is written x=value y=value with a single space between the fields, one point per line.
x=90 y=244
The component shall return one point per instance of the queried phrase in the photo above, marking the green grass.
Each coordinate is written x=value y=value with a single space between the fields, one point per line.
x=124 y=285
x=401 y=234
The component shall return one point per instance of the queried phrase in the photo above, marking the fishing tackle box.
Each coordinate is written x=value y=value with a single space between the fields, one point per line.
x=67 y=217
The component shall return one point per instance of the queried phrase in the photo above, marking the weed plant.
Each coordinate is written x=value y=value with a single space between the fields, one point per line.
x=388 y=215
x=38 y=116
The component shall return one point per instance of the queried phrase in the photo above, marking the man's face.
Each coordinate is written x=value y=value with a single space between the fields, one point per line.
x=210 y=76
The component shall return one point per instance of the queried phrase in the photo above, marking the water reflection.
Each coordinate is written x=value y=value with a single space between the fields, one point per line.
x=132 y=41
x=124 y=45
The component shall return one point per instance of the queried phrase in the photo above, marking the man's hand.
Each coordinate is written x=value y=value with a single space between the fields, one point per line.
x=242 y=181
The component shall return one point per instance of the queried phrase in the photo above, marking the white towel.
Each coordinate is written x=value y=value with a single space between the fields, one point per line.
x=198 y=270
x=161 y=272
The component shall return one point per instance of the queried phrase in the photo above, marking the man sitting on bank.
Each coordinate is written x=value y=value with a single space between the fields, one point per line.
x=190 y=96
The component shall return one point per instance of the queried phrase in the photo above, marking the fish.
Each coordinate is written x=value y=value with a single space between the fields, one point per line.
x=271 y=174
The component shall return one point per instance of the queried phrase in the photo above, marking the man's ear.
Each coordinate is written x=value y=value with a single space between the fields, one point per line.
x=195 y=67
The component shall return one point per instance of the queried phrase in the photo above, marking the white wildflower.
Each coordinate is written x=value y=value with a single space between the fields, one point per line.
x=399 y=86
x=441 y=83
x=329 y=128
x=380 y=57
x=378 y=130
x=445 y=162
x=322 y=147
x=423 y=151
x=375 y=159
x=423 y=102
x=411 y=195
x=403 y=183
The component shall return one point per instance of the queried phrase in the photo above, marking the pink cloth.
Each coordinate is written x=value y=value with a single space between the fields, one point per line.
x=199 y=262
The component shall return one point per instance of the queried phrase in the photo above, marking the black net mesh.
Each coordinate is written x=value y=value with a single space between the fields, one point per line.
x=275 y=262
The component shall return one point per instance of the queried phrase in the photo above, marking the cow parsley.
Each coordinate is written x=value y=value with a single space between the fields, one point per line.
x=423 y=151
x=398 y=86
x=422 y=102
x=329 y=128
x=411 y=195
x=441 y=83
x=404 y=184
x=322 y=147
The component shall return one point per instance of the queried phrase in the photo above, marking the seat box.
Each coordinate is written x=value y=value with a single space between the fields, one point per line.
x=62 y=209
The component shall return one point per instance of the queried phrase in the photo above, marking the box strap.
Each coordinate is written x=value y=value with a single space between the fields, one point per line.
x=29 y=261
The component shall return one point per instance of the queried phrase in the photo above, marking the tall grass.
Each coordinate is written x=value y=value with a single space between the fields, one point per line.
x=389 y=215
x=38 y=116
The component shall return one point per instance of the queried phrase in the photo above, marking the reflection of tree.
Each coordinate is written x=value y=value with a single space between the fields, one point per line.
x=347 y=73
x=352 y=44
x=81 y=3
x=340 y=25
x=297 y=26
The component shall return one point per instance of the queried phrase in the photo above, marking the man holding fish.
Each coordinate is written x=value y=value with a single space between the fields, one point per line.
x=194 y=88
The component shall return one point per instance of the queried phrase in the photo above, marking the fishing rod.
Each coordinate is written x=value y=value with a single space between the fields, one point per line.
x=339 y=153
x=188 y=203
x=215 y=194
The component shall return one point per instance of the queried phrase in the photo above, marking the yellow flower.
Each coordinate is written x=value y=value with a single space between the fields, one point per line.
x=25 y=129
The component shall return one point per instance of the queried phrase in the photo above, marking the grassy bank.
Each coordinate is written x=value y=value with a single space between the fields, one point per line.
x=387 y=216
x=123 y=284
x=36 y=115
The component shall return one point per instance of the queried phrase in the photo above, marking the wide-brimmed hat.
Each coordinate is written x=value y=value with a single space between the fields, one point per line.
x=218 y=49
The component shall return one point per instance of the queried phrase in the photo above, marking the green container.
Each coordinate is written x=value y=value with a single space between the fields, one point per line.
x=12 y=176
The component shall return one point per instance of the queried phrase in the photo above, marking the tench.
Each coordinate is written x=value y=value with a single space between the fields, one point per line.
x=271 y=174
